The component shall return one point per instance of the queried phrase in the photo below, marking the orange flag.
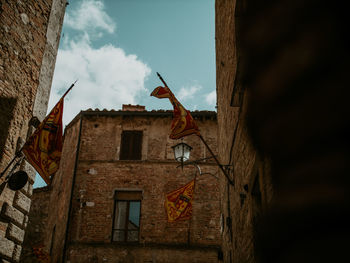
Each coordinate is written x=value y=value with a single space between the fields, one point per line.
x=178 y=203
x=43 y=148
x=183 y=123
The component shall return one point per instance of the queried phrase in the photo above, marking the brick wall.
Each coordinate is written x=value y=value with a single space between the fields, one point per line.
x=29 y=36
x=61 y=193
x=140 y=254
x=302 y=125
x=35 y=231
x=99 y=172
x=243 y=203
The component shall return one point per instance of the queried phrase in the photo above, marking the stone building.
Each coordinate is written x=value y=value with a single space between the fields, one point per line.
x=29 y=38
x=244 y=200
x=116 y=168
x=282 y=92
x=34 y=238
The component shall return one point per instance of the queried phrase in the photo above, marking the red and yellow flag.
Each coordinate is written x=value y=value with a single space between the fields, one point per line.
x=43 y=148
x=183 y=123
x=178 y=203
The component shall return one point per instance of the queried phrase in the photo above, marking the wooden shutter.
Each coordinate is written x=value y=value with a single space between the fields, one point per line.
x=131 y=145
x=128 y=195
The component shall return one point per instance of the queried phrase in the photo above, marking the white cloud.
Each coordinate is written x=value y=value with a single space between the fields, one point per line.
x=90 y=16
x=211 y=98
x=107 y=77
x=188 y=92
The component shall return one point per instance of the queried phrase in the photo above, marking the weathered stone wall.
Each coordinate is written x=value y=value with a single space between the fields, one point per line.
x=35 y=231
x=99 y=173
x=302 y=124
x=23 y=37
x=243 y=202
x=29 y=36
x=55 y=230
x=14 y=219
x=140 y=254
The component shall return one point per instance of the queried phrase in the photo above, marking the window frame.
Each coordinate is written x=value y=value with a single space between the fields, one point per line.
x=127 y=153
x=126 y=196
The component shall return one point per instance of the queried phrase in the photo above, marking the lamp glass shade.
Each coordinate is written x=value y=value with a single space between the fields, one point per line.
x=182 y=152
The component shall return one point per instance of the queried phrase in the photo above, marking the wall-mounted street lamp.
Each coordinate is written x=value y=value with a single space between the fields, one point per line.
x=182 y=153
x=16 y=180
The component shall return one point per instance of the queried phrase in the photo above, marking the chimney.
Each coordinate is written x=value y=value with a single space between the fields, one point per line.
x=129 y=107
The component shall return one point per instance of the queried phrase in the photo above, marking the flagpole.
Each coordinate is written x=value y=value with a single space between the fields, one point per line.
x=161 y=79
x=69 y=89
x=216 y=160
x=13 y=159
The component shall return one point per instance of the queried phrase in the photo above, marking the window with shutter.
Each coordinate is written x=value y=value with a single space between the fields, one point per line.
x=131 y=145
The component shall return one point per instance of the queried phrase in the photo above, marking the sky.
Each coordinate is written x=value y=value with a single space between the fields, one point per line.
x=115 y=47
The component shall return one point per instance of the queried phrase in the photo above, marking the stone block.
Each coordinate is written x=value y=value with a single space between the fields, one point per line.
x=27 y=189
x=6 y=248
x=25 y=223
x=3 y=228
x=30 y=189
x=30 y=171
x=8 y=195
x=17 y=253
x=15 y=233
x=11 y=214
x=22 y=202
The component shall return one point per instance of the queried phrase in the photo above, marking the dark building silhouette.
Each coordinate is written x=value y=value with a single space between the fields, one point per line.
x=283 y=63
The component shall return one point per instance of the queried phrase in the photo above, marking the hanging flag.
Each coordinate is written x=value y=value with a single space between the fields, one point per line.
x=178 y=203
x=43 y=148
x=183 y=123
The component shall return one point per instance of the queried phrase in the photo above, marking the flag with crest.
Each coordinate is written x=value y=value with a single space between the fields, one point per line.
x=43 y=148
x=178 y=203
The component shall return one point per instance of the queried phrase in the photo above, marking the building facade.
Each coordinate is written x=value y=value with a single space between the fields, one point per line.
x=34 y=239
x=279 y=97
x=108 y=195
x=244 y=201
x=29 y=38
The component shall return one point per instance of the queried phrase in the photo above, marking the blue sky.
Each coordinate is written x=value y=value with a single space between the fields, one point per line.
x=115 y=48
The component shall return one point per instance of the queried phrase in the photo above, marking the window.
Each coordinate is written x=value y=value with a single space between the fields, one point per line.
x=126 y=223
x=131 y=145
